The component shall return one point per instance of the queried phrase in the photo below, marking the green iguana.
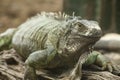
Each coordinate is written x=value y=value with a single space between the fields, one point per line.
x=51 y=40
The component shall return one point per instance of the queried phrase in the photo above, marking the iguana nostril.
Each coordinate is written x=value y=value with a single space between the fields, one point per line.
x=96 y=32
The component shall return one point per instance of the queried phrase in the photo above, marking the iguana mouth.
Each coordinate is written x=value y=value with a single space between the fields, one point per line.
x=87 y=37
x=96 y=34
x=90 y=36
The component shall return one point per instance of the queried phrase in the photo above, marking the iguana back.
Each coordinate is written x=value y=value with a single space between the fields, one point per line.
x=32 y=35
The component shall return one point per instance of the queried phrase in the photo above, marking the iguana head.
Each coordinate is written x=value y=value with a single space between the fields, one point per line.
x=87 y=28
x=82 y=33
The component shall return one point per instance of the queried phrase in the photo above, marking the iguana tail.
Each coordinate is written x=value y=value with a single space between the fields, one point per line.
x=6 y=38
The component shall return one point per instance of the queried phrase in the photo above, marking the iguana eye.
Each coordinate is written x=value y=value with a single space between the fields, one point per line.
x=80 y=25
x=81 y=28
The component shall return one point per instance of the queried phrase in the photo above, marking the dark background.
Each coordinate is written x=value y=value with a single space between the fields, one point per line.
x=106 y=12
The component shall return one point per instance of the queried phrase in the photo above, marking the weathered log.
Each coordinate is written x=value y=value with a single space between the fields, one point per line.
x=87 y=75
x=15 y=71
x=97 y=75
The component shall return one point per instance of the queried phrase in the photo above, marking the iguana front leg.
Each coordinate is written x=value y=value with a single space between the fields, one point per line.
x=76 y=73
x=6 y=38
x=38 y=60
x=102 y=62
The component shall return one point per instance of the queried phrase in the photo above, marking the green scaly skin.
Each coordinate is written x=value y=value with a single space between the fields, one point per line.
x=5 y=39
x=53 y=40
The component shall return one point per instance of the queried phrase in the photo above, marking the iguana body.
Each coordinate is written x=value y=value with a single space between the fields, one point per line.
x=52 y=40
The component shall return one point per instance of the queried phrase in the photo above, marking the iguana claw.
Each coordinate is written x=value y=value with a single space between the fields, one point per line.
x=104 y=63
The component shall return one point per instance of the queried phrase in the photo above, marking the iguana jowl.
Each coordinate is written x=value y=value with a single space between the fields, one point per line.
x=52 y=40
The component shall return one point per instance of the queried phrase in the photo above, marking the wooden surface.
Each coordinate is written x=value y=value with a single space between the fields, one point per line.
x=12 y=68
